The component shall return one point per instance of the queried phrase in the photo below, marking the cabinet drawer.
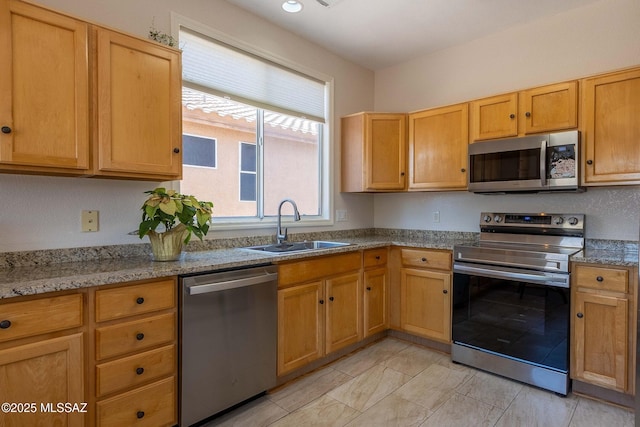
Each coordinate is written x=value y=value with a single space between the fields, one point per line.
x=39 y=316
x=609 y=279
x=135 y=299
x=149 y=406
x=135 y=336
x=375 y=257
x=134 y=370
x=426 y=259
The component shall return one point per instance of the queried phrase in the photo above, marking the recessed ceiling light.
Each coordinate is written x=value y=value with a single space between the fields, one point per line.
x=292 y=6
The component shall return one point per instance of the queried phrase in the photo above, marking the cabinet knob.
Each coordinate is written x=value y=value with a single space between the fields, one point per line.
x=528 y=114
x=140 y=414
x=444 y=291
x=589 y=162
x=580 y=315
x=5 y=324
x=600 y=279
x=401 y=173
x=424 y=260
x=330 y=298
x=139 y=300
x=139 y=336
x=377 y=257
x=139 y=371
x=176 y=150
x=368 y=288
x=321 y=301
x=6 y=129
x=512 y=116
x=463 y=170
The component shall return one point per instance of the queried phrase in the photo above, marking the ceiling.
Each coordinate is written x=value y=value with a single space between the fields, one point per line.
x=380 y=33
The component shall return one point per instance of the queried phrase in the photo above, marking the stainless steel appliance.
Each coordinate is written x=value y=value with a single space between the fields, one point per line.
x=511 y=299
x=228 y=334
x=535 y=163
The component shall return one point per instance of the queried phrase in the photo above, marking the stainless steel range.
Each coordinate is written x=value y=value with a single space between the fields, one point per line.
x=511 y=299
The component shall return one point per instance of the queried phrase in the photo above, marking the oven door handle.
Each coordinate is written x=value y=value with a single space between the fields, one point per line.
x=543 y=163
x=541 y=278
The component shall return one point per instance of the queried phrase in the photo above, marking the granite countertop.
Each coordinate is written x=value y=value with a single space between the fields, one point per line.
x=47 y=271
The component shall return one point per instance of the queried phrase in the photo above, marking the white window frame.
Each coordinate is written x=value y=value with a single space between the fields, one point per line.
x=240 y=172
x=326 y=155
x=215 y=150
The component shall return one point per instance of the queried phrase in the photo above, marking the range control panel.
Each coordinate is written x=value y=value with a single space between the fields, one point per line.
x=532 y=220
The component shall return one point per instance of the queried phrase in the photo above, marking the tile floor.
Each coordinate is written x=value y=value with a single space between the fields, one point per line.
x=396 y=383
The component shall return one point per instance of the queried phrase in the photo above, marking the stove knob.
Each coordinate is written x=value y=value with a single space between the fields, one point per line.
x=558 y=220
x=497 y=218
x=573 y=220
x=487 y=218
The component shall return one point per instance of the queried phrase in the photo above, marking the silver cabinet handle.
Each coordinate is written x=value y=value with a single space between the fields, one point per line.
x=232 y=284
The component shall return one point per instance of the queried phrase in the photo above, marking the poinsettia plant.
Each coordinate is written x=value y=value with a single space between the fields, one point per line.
x=170 y=208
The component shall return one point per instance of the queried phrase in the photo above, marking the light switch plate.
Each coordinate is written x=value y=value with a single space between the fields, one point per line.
x=89 y=221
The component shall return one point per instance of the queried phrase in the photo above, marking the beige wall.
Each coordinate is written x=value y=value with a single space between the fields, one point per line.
x=44 y=212
x=597 y=38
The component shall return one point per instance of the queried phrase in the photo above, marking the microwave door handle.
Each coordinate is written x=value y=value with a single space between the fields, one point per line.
x=543 y=163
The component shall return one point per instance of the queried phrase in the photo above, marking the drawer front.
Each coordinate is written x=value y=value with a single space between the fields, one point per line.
x=291 y=273
x=135 y=370
x=149 y=406
x=609 y=279
x=135 y=336
x=423 y=258
x=375 y=258
x=39 y=316
x=130 y=300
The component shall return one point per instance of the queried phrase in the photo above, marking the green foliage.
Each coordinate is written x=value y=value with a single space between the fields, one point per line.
x=169 y=208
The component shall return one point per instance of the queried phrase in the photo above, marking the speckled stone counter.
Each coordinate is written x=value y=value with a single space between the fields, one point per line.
x=36 y=272
x=31 y=273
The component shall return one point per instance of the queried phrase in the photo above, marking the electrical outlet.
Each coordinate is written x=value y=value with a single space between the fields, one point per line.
x=436 y=216
x=89 y=221
x=342 y=215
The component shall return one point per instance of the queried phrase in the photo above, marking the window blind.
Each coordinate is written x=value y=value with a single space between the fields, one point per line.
x=210 y=65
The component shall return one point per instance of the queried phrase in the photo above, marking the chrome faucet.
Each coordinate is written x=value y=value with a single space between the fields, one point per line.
x=280 y=235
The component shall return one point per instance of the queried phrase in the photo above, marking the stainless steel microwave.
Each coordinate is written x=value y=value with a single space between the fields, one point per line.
x=534 y=163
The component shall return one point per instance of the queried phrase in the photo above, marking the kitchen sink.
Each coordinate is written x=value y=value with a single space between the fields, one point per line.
x=297 y=246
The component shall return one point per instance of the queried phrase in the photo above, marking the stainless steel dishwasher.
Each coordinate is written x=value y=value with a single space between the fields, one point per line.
x=228 y=327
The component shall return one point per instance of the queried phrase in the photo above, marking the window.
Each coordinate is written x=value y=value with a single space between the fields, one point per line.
x=198 y=151
x=266 y=125
x=248 y=183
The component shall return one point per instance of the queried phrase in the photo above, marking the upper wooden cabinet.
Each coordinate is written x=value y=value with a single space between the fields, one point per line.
x=44 y=91
x=611 y=135
x=373 y=152
x=543 y=109
x=128 y=125
x=438 y=141
x=138 y=115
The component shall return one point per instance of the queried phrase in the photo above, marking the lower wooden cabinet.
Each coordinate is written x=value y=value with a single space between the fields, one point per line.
x=42 y=359
x=323 y=313
x=134 y=354
x=425 y=293
x=603 y=326
x=375 y=301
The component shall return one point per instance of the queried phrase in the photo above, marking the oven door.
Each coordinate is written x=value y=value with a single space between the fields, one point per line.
x=520 y=314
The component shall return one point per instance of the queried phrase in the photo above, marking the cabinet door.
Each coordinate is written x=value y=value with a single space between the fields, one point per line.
x=550 y=108
x=612 y=129
x=385 y=151
x=44 y=98
x=425 y=303
x=344 y=312
x=139 y=113
x=438 y=141
x=300 y=325
x=48 y=371
x=601 y=337
x=375 y=303
x=494 y=117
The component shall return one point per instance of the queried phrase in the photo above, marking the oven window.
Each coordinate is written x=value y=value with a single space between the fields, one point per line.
x=519 y=320
x=506 y=166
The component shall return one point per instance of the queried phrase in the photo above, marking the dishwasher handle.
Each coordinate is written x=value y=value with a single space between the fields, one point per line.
x=232 y=284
